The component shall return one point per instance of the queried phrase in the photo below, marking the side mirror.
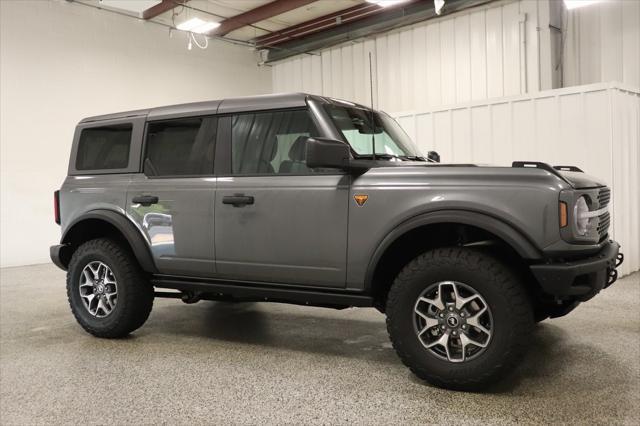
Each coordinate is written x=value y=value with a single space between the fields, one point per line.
x=327 y=153
x=433 y=156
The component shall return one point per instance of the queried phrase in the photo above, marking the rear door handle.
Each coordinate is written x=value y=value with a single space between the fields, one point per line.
x=145 y=200
x=237 y=200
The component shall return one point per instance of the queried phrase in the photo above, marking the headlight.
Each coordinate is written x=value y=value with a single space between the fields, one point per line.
x=581 y=216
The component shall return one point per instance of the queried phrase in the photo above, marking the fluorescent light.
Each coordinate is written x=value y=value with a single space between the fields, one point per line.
x=386 y=3
x=574 y=4
x=197 y=25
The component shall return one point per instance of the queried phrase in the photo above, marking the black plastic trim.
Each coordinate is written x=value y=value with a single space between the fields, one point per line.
x=539 y=165
x=559 y=279
x=267 y=292
x=60 y=255
x=133 y=236
x=506 y=232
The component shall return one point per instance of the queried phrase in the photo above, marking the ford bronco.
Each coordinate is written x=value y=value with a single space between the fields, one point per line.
x=304 y=199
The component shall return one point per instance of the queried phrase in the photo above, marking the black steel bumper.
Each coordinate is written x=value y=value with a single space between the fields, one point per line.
x=580 y=280
x=60 y=256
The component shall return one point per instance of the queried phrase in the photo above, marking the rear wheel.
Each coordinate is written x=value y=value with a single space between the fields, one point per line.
x=107 y=291
x=458 y=318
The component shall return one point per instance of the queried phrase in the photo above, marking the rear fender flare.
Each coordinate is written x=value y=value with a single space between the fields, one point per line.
x=129 y=231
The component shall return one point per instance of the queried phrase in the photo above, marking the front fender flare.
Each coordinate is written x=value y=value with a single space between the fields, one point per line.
x=130 y=232
x=511 y=236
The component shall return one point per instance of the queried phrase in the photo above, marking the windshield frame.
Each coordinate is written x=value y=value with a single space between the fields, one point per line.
x=390 y=127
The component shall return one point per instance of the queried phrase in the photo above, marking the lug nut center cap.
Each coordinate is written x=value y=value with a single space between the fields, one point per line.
x=453 y=321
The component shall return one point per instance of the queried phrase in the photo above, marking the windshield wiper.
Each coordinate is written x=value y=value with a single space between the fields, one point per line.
x=412 y=157
x=382 y=156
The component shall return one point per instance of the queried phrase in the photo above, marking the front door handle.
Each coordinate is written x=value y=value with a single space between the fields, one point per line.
x=237 y=200
x=145 y=200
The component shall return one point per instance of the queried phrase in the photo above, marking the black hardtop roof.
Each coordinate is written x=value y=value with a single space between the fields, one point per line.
x=229 y=105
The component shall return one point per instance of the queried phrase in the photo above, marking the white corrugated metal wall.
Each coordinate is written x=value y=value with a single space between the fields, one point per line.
x=595 y=127
x=603 y=43
x=469 y=75
x=489 y=52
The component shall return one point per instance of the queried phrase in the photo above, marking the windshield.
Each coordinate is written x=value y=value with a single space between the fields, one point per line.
x=389 y=139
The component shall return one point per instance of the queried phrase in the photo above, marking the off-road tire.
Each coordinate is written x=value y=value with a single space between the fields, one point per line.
x=511 y=308
x=135 y=293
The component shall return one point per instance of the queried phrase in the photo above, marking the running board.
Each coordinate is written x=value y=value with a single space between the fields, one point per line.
x=257 y=292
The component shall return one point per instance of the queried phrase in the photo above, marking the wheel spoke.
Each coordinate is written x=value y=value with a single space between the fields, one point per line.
x=434 y=302
x=442 y=341
x=88 y=297
x=462 y=301
x=474 y=321
x=95 y=269
x=88 y=277
x=429 y=323
x=465 y=340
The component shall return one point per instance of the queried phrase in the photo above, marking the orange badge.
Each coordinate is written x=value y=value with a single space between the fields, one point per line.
x=360 y=199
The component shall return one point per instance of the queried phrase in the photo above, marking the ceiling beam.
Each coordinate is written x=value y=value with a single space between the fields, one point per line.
x=407 y=14
x=258 y=14
x=319 y=24
x=161 y=8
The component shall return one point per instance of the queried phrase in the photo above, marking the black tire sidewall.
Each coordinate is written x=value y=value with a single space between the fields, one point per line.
x=505 y=320
x=119 y=271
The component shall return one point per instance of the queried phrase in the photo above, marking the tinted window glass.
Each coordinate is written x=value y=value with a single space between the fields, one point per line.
x=180 y=147
x=271 y=142
x=105 y=147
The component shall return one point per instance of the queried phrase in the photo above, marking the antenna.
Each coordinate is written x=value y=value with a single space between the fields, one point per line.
x=373 y=125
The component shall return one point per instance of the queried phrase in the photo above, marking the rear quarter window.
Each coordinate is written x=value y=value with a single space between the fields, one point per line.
x=104 y=148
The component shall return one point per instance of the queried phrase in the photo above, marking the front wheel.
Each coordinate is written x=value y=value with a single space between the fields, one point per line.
x=108 y=293
x=458 y=318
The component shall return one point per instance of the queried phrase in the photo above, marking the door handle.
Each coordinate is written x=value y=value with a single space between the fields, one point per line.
x=145 y=200
x=237 y=200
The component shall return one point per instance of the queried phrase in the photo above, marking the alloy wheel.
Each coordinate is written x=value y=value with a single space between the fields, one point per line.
x=98 y=289
x=453 y=321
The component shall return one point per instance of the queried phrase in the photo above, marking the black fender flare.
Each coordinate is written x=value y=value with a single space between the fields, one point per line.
x=510 y=235
x=128 y=230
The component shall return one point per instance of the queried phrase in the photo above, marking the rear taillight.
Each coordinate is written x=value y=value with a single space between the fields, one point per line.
x=56 y=206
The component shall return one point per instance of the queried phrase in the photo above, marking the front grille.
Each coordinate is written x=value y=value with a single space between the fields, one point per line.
x=604 y=220
x=603 y=197
x=603 y=224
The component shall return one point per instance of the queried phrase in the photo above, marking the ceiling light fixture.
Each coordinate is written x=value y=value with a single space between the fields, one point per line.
x=574 y=4
x=198 y=26
x=386 y=3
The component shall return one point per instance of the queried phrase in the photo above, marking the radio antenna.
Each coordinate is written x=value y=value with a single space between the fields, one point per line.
x=373 y=125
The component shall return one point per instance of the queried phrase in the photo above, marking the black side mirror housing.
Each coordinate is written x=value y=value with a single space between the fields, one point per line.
x=327 y=153
x=433 y=156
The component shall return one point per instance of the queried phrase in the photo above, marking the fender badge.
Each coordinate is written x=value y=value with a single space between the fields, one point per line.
x=360 y=199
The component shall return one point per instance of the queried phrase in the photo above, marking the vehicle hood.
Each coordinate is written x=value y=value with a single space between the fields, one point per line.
x=577 y=180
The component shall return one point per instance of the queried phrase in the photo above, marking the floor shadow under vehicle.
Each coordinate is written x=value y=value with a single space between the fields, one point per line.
x=362 y=335
x=320 y=331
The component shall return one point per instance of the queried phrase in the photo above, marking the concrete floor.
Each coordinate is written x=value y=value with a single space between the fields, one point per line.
x=272 y=363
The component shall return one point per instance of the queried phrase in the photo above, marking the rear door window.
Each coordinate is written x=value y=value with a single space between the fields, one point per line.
x=181 y=147
x=104 y=148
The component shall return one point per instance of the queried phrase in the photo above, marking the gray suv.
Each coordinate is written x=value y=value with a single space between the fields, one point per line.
x=303 y=199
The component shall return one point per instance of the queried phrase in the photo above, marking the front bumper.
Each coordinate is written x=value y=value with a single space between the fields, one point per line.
x=580 y=280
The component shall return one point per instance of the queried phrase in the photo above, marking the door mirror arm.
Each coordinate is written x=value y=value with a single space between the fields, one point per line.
x=331 y=153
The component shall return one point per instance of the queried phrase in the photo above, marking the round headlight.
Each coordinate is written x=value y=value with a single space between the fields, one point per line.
x=580 y=217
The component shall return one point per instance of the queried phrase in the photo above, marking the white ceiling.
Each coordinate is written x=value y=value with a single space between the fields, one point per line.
x=133 y=6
